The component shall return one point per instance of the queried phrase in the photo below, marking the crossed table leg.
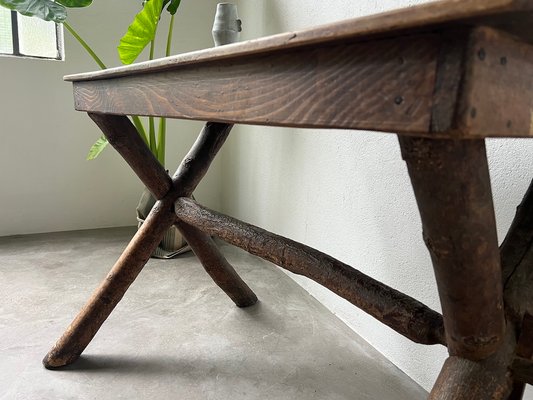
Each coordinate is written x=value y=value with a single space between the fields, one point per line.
x=485 y=302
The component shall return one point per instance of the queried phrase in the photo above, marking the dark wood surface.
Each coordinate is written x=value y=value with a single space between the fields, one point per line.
x=400 y=312
x=105 y=298
x=453 y=83
x=497 y=90
x=451 y=183
x=511 y=15
x=384 y=85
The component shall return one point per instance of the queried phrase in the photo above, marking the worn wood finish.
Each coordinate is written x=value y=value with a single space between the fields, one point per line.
x=217 y=266
x=452 y=188
x=84 y=327
x=515 y=16
x=462 y=379
x=497 y=93
x=448 y=81
x=197 y=161
x=402 y=313
x=188 y=175
x=380 y=85
x=464 y=82
x=123 y=136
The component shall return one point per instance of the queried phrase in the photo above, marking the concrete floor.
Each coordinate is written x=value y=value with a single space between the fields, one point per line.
x=175 y=335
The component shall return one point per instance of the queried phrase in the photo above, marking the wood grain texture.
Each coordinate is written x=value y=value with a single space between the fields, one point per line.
x=103 y=301
x=195 y=164
x=400 y=312
x=512 y=15
x=497 y=95
x=451 y=183
x=449 y=81
x=384 y=85
x=462 y=379
x=123 y=136
x=185 y=180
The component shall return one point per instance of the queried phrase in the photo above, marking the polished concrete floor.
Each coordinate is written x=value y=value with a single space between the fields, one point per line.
x=175 y=335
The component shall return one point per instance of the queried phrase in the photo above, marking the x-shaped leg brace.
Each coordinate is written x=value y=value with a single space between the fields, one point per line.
x=123 y=136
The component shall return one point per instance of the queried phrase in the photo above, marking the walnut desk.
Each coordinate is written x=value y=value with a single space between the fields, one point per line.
x=443 y=77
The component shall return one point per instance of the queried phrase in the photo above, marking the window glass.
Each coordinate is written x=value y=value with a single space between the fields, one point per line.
x=6 y=41
x=29 y=36
x=37 y=38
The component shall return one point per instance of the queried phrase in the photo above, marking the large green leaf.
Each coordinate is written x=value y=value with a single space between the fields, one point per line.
x=173 y=6
x=141 y=31
x=44 y=9
x=75 y=3
x=97 y=148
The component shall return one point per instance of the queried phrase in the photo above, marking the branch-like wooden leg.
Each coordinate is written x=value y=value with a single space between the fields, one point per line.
x=217 y=266
x=402 y=313
x=123 y=136
x=451 y=182
x=81 y=331
x=462 y=379
x=197 y=161
x=187 y=177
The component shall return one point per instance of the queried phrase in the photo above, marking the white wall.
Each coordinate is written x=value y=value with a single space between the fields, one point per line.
x=348 y=193
x=45 y=183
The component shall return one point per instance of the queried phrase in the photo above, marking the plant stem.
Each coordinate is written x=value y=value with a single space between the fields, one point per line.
x=152 y=144
x=152 y=47
x=140 y=128
x=161 y=140
x=85 y=45
x=169 y=37
x=151 y=125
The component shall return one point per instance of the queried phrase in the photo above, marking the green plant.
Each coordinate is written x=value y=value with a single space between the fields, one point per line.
x=141 y=32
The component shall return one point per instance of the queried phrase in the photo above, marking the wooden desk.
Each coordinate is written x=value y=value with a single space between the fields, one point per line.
x=443 y=76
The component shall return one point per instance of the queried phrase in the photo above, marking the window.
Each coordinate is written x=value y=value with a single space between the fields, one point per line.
x=29 y=37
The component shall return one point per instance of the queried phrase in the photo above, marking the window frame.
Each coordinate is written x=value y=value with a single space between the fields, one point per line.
x=16 y=42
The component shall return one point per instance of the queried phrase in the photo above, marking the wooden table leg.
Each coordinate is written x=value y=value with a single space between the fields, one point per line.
x=217 y=266
x=451 y=182
x=185 y=180
x=123 y=136
x=397 y=310
x=462 y=379
x=82 y=330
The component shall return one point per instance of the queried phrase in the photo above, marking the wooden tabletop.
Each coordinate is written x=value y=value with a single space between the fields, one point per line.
x=413 y=71
x=515 y=16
